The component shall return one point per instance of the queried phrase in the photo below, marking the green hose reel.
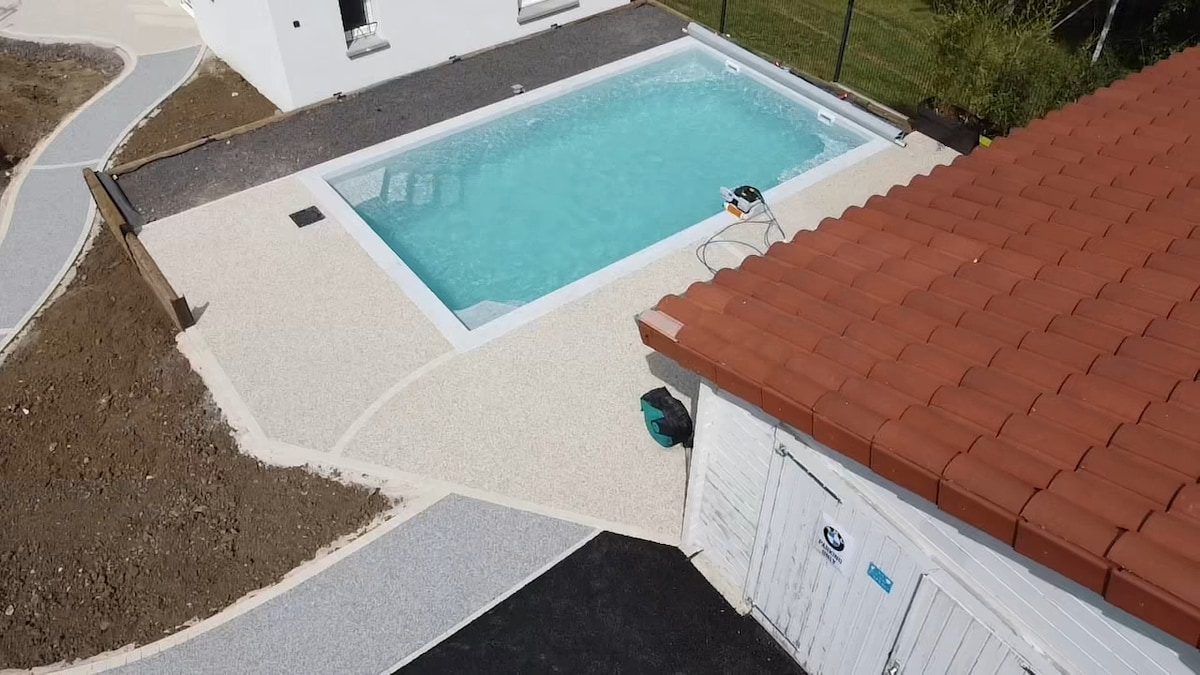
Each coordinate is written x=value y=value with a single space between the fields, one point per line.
x=667 y=419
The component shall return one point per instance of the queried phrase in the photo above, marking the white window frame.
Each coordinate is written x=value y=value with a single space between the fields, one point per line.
x=533 y=10
x=367 y=28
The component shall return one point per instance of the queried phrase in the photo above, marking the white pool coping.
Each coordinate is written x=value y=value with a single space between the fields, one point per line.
x=317 y=178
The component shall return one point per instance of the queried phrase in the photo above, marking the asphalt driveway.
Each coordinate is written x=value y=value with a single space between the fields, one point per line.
x=617 y=605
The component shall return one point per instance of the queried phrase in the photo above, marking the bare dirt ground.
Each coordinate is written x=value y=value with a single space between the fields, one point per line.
x=126 y=509
x=41 y=84
x=216 y=99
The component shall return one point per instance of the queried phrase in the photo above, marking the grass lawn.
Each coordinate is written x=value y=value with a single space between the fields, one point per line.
x=887 y=57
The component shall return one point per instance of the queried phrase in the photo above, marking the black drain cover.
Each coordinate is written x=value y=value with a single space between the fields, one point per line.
x=307 y=217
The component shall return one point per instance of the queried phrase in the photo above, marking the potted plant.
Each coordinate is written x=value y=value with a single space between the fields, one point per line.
x=947 y=124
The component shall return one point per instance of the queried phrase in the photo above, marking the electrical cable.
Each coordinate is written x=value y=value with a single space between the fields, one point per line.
x=770 y=221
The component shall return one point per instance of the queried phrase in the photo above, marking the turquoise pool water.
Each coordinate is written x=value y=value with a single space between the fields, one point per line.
x=501 y=214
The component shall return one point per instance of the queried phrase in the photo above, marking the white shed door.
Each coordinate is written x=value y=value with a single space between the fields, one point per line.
x=940 y=636
x=839 y=611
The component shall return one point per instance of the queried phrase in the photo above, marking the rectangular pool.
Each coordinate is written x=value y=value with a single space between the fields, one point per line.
x=511 y=209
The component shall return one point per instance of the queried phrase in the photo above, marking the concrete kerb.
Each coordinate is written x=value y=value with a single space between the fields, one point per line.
x=6 y=209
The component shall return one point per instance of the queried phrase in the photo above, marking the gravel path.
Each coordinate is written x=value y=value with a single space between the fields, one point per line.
x=384 y=602
x=40 y=84
x=52 y=210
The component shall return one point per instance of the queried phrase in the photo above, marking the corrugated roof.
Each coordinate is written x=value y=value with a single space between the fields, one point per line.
x=1014 y=337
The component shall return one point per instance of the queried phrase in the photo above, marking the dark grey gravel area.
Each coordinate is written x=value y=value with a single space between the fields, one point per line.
x=396 y=107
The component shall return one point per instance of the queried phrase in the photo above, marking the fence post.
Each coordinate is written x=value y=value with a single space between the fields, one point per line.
x=724 y=13
x=837 y=71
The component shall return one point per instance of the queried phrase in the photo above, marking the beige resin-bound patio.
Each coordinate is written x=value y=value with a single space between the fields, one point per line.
x=318 y=356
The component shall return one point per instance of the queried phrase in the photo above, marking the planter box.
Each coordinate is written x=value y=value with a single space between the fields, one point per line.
x=952 y=133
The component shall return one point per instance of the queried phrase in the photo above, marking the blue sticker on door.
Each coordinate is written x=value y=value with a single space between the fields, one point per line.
x=884 y=581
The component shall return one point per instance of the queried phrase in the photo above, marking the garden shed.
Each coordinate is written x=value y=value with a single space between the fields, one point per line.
x=957 y=429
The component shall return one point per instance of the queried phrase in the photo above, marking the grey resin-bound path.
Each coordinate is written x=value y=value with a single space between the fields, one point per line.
x=51 y=210
x=384 y=602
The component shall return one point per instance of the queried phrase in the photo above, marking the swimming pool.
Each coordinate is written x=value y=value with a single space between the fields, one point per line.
x=495 y=220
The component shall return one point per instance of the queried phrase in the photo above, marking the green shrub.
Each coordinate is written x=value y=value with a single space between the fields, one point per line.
x=1000 y=63
x=1143 y=37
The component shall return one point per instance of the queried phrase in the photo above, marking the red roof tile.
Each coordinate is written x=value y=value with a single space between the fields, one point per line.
x=1160 y=447
x=1187 y=502
x=1098 y=425
x=1142 y=476
x=1002 y=386
x=1015 y=337
x=1131 y=373
x=877 y=397
x=1177 y=534
x=979 y=493
x=841 y=423
x=1154 y=605
x=1110 y=501
x=904 y=454
x=1157 y=564
x=1105 y=394
x=1067 y=538
x=1187 y=394
x=1105 y=338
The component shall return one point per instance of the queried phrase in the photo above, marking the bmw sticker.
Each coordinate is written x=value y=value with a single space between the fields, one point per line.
x=832 y=542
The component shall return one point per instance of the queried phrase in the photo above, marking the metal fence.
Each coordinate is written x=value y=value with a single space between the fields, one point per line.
x=879 y=48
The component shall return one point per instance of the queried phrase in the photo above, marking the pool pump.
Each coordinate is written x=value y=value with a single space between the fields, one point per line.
x=667 y=419
x=741 y=201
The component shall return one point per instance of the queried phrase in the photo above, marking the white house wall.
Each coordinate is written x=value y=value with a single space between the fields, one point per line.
x=315 y=64
x=729 y=471
x=242 y=33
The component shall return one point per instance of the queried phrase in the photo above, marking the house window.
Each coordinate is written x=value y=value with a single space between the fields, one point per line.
x=358 y=22
x=357 y=19
x=532 y=10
